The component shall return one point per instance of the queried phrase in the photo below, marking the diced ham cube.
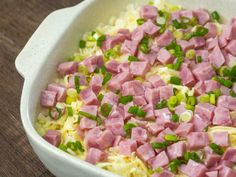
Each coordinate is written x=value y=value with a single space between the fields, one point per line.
x=124 y=32
x=139 y=134
x=231 y=47
x=115 y=125
x=123 y=67
x=199 y=88
x=165 y=132
x=150 y=28
x=149 y=57
x=229 y=32
x=111 y=41
x=112 y=66
x=227 y=172
x=138 y=34
x=202 y=16
x=212 y=42
x=221 y=138
x=110 y=98
x=116 y=81
x=193 y=169
x=82 y=80
x=165 y=39
x=184 y=129
x=163 y=114
x=90 y=109
x=222 y=116
x=230 y=155
x=186 y=13
x=227 y=102
x=129 y=47
x=225 y=90
x=96 y=83
x=164 y=56
x=156 y=81
x=89 y=97
x=216 y=57
x=48 y=98
x=176 y=150
x=116 y=112
x=203 y=53
x=59 y=89
x=160 y=160
x=132 y=88
x=53 y=137
x=139 y=68
x=211 y=85
x=155 y=128
x=212 y=160
x=145 y=152
x=187 y=76
x=197 y=140
x=105 y=140
x=93 y=62
x=126 y=108
x=148 y=12
x=126 y=147
x=185 y=45
x=152 y=95
x=139 y=100
x=149 y=109
x=205 y=110
x=166 y=92
x=212 y=30
x=67 y=68
x=203 y=71
x=164 y=173
x=92 y=136
x=95 y=155
x=138 y=122
x=199 y=123
x=212 y=174
x=86 y=123
x=180 y=109
x=198 y=42
x=117 y=140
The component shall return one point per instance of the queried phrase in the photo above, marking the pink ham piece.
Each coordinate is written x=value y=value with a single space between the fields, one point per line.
x=92 y=136
x=155 y=128
x=202 y=16
x=96 y=83
x=228 y=32
x=67 y=68
x=149 y=57
x=186 y=13
x=156 y=81
x=148 y=12
x=86 y=123
x=212 y=160
x=126 y=147
x=112 y=41
x=227 y=102
x=166 y=92
x=134 y=88
x=149 y=109
x=59 y=89
x=164 y=173
x=199 y=88
x=48 y=98
x=138 y=34
x=115 y=125
x=234 y=88
x=185 y=45
x=180 y=109
x=53 y=137
x=165 y=39
x=117 y=140
x=150 y=28
x=124 y=32
x=116 y=112
x=221 y=138
x=184 y=129
x=212 y=174
x=212 y=42
x=198 y=42
x=164 y=56
x=193 y=169
x=138 y=122
x=212 y=30
x=82 y=80
x=163 y=114
x=112 y=66
x=199 y=123
x=139 y=68
x=197 y=140
x=110 y=98
x=95 y=155
x=186 y=76
x=160 y=160
x=205 y=110
x=230 y=155
x=145 y=152
x=139 y=100
x=126 y=108
x=89 y=97
x=152 y=95
x=203 y=53
x=222 y=117
x=129 y=47
x=90 y=109
x=203 y=71
x=176 y=150
x=211 y=85
x=116 y=81
x=93 y=62
x=216 y=57
x=231 y=47
x=227 y=172
x=105 y=140
x=225 y=90
x=161 y=135
x=139 y=134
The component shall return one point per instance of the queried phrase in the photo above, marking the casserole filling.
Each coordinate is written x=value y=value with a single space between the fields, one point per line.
x=150 y=94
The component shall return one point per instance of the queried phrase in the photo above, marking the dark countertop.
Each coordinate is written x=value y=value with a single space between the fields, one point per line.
x=18 y=20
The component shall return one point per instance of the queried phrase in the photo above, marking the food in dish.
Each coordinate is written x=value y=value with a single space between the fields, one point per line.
x=150 y=94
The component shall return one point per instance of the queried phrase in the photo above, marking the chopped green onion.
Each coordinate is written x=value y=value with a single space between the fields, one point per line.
x=82 y=44
x=106 y=78
x=143 y=46
x=216 y=148
x=100 y=40
x=233 y=71
x=63 y=147
x=128 y=127
x=106 y=109
x=199 y=59
x=133 y=58
x=175 y=118
x=176 y=66
x=205 y=98
x=135 y=110
x=189 y=107
x=174 y=165
x=179 y=25
x=69 y=111
x=140 y=21
x=125 y=99
x=224 y=71
x=215 y=15
x=111 y=53
x=90 y=116
x=100 y=97
x=217 y=93
x=175 y=80
x=72 y=146
x=199 y=32
x=77 y=83
x=160 y=145
x=191 y=101
x=170 y=137
x=162 y=104
x=206 y=129
x=190 y=54
x=141 y=113
x=232 y=93
x=224 y=82
x=177 y=50
x=193 y=156
x=79 y=146
x=79 y=118
x=212 y=99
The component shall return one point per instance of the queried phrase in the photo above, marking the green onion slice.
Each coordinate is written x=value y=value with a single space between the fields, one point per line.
x=106 y=78
x=77 y=83
x=162 y=104
x=90 y=116
x=82 y=44
x=175 y=80
x=100 y=40
x=128 y=127
x=216 y=148
x=125 y=99
x=140 y=21
x=133 y=58
x=106 y=109
x=160 y=145
x=170 y=137
x=69 y=111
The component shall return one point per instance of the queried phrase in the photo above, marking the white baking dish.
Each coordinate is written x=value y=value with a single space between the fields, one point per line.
x=56 y=38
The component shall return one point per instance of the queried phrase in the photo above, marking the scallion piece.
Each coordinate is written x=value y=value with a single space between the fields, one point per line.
x=215 y=16
x=160 y=145
x=170 y=137
x=143 y=46
x=100 y=40
x=216 y=148
x=141 y=113
x=111 y=53
x=199 y=59
x=162 y=104
x=191 y=100
x=174 y=165
x=175 y=118
x=125 y=99
x=140 y=21
x=200 y=31
x=92 y=117
x=128 y=127
x=224 y=82
x=72 y=146
x=172 y=102
x=212 y=99
x=63 y=147
x=106 y=109
x=193 y=156
x=135 y=110
x=82 y=44
x=133 y=58
x=106 y=78
x=175 y=80
x=100 y=97
x=69 y=111
x=205 y=98
x=179 y=25
x=79 y=146
x=232 y=93
x=77 y=83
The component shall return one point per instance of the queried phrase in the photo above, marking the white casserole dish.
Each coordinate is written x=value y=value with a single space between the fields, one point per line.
x=56 y=38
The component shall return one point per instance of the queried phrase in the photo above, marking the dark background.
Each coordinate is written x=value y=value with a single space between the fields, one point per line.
x=18 y=20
